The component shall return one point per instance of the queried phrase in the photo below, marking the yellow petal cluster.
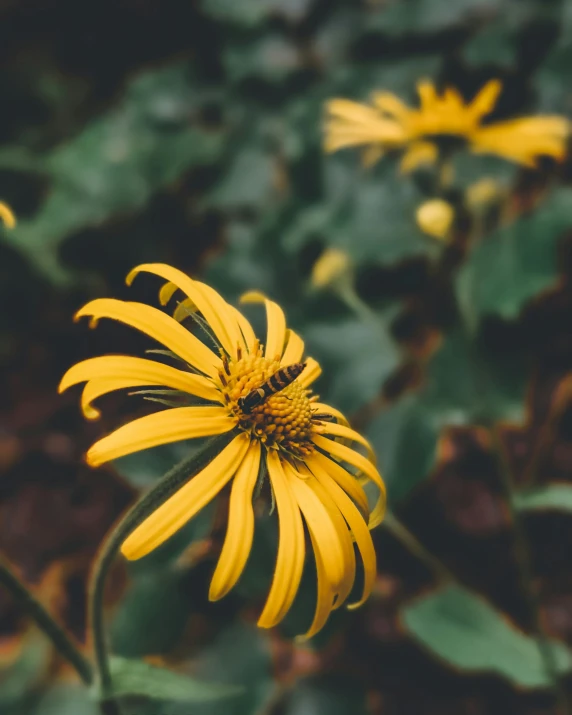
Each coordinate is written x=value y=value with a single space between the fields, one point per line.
x=435 y=218
x=388 y=124
x=301 y=444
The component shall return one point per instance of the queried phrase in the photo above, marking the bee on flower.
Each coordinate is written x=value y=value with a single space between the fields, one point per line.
x=388 y=124
x=261 y=396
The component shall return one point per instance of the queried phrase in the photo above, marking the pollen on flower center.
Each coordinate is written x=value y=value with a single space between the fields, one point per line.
x=282 y=420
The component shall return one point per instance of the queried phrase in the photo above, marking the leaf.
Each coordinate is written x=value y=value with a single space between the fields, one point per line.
x=464 y=384
x=117 y=162
x=250 y=13
x=496 y=44
x=24 y=665
x=68 y=699
x=272 y=57
x=516 y=263
x=376 y=217
x=556 y=497
x=466 y=632
x=398 y=17
x=327 y=695
x=135 y=677
x=356 y=357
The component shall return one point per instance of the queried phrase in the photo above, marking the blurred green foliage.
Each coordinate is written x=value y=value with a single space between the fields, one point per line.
x=209 y=147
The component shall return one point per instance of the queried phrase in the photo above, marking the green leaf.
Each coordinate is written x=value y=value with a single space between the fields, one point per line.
x=425 y=16
x=496 y=44
x=117 y=163
x=464 y=384
x=356 y=356
x=135 y=677
x=68 y=699
x=250 y=13
x=554 y=497
x=272 y=57
x=327 y=695
x=376 y=216
x=20 y=677
x=466 y=632
x=516 y=263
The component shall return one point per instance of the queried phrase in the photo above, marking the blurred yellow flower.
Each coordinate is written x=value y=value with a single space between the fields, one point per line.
x=331 y=267
x=390 y=124
x=300 y=444
x=7 y=215
x=435 y=218
x=483 y=192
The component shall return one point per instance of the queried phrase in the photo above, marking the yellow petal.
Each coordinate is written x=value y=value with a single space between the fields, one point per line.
x=294 y=350
x=389 y=103
x=240 y=531
x=159 y=326
x=344 y=535
x=342 y=477
x=276 y=323
x=427 y=95
x=324 y=596
x=364 y=465
x=355 y=522
x=186 y=502
x=322 y=408
x=245 y=327
x=486 y=98
x=418 y=154
x=171 y=425
x=320 y=524
x=7 y=215
x=311 y=373
x=348 y=433
x=115 y=372
x=207 y=301
x=371 y=155
x=291 y=547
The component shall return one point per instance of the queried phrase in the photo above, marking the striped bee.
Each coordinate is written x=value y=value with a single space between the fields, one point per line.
x=281 y=379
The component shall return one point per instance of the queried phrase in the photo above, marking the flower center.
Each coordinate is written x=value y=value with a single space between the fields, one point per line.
x=282 y=420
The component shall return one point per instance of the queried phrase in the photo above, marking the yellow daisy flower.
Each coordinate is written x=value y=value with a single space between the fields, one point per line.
x=390 y=124
x=301 y=444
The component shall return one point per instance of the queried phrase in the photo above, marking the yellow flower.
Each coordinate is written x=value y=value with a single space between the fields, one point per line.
x=390 y=124
x=302 y=443
x=435 y=217
x=7 y=215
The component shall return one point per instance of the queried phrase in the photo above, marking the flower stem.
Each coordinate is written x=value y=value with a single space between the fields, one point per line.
x=522 y=558
x=165 y=488
x=414 y=546
x=56 y=633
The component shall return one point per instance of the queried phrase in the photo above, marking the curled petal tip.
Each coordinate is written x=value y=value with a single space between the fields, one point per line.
x=252 y=296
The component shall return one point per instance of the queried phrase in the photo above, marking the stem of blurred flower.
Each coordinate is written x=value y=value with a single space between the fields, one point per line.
x=522 y=558
x=58 y=636
x=348 y=295
x=165 y=488
x=414 y=546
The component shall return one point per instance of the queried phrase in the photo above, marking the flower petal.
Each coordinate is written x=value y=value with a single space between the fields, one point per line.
x=320 y=523
x=485 y=99
x=357 y=460
x=240 y=531
x=312 y=372
x=171 y=425
x=276 y=323
x=343 y=478
x=186 y=502
x=7 y=215
x=322 y=408
x=348 y=433
x=294 y=350
x=157 y=325
x=419 y=153
x=324 y=595
x=291 y=547
x=356 y=523
x=207 y=301
x=115 y=372
x=245 y=327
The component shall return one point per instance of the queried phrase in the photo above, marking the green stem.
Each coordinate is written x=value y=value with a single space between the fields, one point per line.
x=149 y=502
x=58 y=636
x=522 y=558
x=413 y=545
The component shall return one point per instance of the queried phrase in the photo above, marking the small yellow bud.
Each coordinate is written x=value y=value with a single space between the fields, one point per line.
x=483 y=192
x=435 y=217
x=7 y=215
x=331 y=267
